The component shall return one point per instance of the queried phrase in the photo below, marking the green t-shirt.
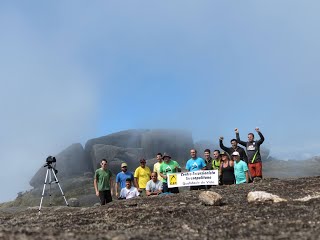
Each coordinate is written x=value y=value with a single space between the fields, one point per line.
x=169 y=167
x=103 y=179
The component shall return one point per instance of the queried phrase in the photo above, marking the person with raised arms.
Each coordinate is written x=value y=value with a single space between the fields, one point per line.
x=253 y=153
x=234 y=148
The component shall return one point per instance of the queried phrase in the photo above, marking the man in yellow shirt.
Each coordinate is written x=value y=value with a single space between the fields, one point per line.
x=156 y=166
x=141 y=177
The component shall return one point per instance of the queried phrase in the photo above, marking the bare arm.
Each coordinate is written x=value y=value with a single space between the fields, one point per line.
x=136 y=183
x=96 y=187
x=117 y=189
x=247 y=177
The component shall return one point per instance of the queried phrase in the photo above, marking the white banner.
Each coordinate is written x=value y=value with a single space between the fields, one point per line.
x=201 y=177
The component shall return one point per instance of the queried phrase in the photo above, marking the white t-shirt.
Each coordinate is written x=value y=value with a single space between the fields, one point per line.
x=129 y=193
x=154 y=186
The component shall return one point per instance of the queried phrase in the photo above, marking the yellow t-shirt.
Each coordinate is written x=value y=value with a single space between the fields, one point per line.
x=156 y=168
x=143 y=175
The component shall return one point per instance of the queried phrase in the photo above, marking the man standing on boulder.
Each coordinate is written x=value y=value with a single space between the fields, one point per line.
x=194 y=164
x=253 y=153
x=122 y=177
x=234 y=148
x=141 y=177
x=103 y=183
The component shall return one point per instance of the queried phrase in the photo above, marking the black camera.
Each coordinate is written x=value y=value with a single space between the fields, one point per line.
x=51 y=159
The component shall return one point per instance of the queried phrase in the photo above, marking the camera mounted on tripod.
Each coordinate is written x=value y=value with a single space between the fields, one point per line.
x=49 y=161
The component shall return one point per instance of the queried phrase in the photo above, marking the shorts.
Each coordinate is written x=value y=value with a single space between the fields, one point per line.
x=105 y=197
x=255 y=169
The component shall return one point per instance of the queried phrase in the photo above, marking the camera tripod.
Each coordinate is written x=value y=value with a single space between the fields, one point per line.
x=50 y=171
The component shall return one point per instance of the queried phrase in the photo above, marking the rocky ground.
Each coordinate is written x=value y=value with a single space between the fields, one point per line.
x=180 y=216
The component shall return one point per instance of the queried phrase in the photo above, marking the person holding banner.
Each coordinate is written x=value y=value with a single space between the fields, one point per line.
x=195 y=164
x=168 y=166
x=253 y=153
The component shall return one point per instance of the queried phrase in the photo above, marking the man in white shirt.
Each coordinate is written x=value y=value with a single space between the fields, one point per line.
x=129 y=191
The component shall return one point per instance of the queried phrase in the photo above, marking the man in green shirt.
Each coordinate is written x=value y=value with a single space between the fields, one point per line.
x=168 y=166
x=103 y=183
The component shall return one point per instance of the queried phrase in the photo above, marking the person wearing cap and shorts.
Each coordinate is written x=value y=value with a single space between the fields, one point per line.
x=253 y=153
x=168 y=166
x=141 y=177
x=195 y=164
x=240 y=169
x=122 y=177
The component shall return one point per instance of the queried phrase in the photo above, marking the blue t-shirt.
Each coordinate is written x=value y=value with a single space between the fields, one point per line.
x=239 y=171
x=195 y=164
x=122 y=177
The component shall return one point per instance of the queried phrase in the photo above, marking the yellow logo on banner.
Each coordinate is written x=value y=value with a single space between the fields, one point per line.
x=173 y=179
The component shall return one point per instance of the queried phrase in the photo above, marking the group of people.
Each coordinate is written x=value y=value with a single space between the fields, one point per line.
x=235 y=165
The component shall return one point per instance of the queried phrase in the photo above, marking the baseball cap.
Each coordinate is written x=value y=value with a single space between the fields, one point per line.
x=235 y=154
x=124 y=165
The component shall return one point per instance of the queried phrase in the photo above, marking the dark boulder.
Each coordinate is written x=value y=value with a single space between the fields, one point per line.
x=70 y=162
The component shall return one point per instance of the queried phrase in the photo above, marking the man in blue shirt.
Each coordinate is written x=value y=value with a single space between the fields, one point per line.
x=195 y=164
x=122 y=177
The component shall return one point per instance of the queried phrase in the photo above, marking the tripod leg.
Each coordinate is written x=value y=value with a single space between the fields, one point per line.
x=50 y=181
x=57 y=181
x=44 y=187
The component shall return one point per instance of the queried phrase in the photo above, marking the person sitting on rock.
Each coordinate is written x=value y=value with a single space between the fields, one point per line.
x=240 y=169
x=129 y=191
x=122 y=178
x=141 y=177
x=103 y=183
x=154 y=186
x=168 y=166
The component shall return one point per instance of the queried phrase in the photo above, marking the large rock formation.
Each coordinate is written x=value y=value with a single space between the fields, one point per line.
x=115 y=156
x=131 y=145
x=70 y=162
x=125 y=146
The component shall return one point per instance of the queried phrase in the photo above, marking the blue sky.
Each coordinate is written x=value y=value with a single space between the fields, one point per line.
x=74 y=70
